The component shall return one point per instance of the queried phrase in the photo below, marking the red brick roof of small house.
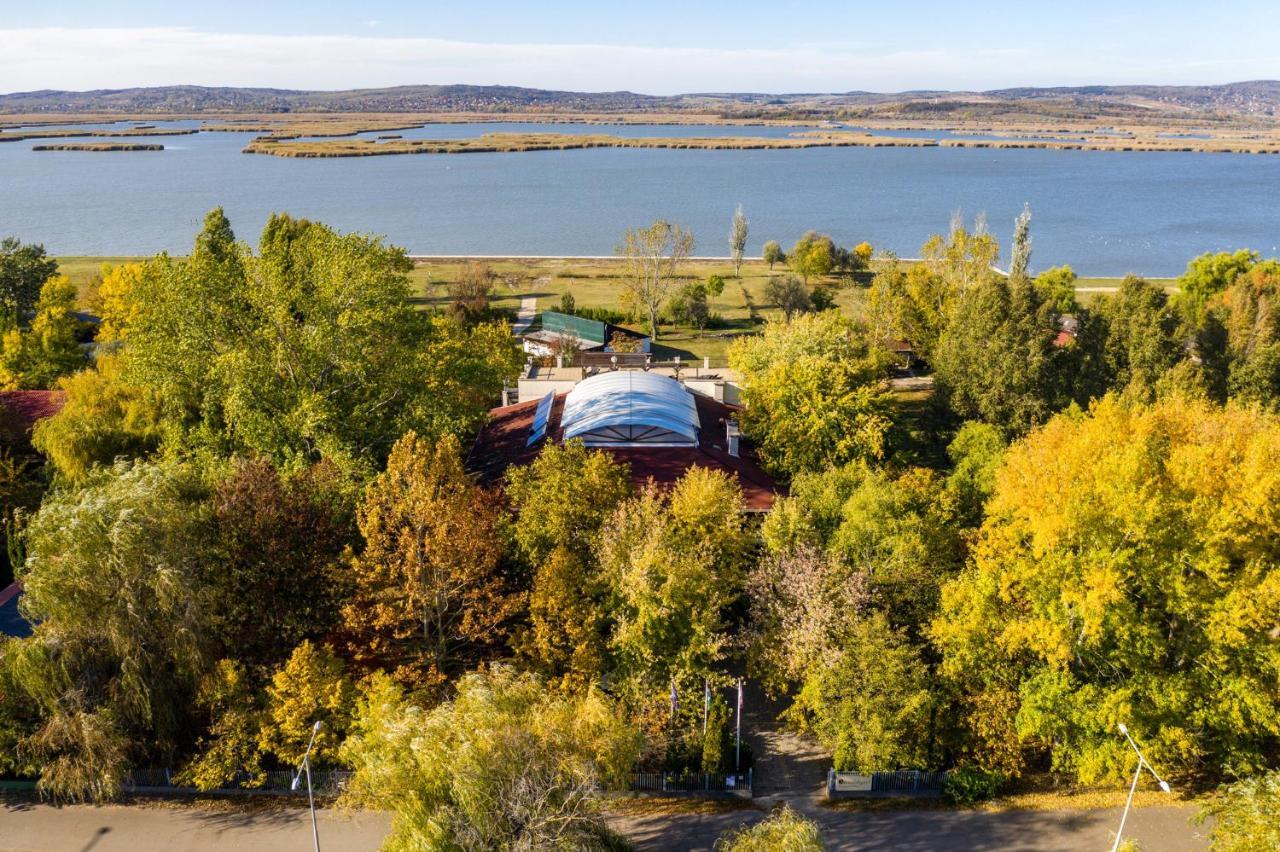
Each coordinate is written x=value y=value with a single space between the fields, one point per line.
x=502 y=444
x=21 y=410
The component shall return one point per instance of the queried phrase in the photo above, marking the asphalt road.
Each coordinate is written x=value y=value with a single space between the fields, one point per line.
x=117 y=828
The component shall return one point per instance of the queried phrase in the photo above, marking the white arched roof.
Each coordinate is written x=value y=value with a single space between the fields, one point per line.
x=630 y=407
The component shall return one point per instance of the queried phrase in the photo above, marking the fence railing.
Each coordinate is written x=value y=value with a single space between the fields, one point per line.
x=693 y=783
x=323 y=782
x=842 y=785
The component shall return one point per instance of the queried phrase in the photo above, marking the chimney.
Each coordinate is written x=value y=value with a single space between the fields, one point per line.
x=717 y=391
x=731 y=433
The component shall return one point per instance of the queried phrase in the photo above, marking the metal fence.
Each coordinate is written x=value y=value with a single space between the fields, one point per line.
x=324 y=783
x=841 y=785
x=693 y=783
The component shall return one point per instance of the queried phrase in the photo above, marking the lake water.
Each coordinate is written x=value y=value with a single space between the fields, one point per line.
x=1104 y=213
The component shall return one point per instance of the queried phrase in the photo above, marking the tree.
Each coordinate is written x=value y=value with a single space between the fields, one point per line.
x=1142 y=341
x=689 y=306
x=114 y=301
x=228 y=752
x=310 y=349
x=790 y=295
x=813 y=255
x=1020 y=257
x=975 y=455
x=773 y=254
x=113 y=584
x=470 y=291
x=1246 y=814
x=1251 y=319
x=1125 y=573
x=738 y=240
x=997 y=360
x=814 y=392
x=1057 y=287
x=784 y=830
x=1207 y=277
x=24 y=269
x=36 y=358
x=673 y=564
x=281 y=537
x=504 y=764
x=104 y=418
x=652 y=257
x=563 y=497
x=715 y=285
x=429 y=589
x=870 y=709
x=310 y=687
x=964 y=258
x=909 y=303
x=566 y=634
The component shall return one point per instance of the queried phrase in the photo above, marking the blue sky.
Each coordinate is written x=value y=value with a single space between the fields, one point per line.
x=657 y=46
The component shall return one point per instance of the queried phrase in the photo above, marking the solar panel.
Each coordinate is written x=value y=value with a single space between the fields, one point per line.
x=540 y=418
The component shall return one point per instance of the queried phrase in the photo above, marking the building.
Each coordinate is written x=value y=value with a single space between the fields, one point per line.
x=656 y=423
x=587 y=335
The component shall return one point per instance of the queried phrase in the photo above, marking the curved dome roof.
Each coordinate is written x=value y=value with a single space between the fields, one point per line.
x=630 y=407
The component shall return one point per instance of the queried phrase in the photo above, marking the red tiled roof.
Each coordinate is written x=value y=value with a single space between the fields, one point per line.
x=22 y=409
x=501 y=444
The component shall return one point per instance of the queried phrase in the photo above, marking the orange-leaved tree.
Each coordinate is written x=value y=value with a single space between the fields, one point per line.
x=430 y=591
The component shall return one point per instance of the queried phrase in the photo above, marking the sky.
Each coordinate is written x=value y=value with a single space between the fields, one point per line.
x=654 y=47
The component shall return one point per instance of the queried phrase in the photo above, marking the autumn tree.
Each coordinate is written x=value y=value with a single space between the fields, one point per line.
x=504 y=764
x=814 y=391
x=738 y=240
x=1207 y=277
x=228 y=751
x=909 y=303
x=103 y=419
x=311 y=686
x=281 y=536
x=964 y=258
x=37 y=356
x=563 y=497
x=813 y=256
x=430 y=592
x=1124 y=574
x=673 y=563
x=652 y=257
x=1057 y=287
x=783 y=829
x=1251 y=319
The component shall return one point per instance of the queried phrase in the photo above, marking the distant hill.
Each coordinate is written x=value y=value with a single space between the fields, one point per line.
x=1253 y=98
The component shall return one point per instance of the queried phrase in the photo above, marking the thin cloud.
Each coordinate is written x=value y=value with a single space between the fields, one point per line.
x=70 y=58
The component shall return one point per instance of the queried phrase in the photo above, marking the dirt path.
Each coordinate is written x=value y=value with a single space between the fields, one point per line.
x=788 y=766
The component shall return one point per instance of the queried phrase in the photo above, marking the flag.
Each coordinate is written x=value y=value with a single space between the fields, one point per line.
x=675 y=699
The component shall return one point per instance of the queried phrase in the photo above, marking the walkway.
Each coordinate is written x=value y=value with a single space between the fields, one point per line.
x=528 y=312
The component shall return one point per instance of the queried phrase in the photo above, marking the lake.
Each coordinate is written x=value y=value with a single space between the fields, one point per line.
x=1105 y=213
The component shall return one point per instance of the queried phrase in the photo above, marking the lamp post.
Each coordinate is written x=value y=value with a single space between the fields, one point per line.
x=305 y=765
x=1142 y=761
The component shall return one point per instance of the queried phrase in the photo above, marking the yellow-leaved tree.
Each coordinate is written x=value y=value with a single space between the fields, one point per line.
x=1126 y=573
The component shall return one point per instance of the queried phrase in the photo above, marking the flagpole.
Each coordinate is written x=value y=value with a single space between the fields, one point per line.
x=737 y=758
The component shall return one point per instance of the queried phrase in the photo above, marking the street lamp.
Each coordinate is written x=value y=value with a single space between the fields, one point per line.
x=1142 y=761
x=305 y=765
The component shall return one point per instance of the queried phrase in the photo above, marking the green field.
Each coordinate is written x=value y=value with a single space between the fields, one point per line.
x=597 y=283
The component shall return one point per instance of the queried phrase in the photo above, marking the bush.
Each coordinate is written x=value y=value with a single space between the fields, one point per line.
x=969 y=785
x=784 y=831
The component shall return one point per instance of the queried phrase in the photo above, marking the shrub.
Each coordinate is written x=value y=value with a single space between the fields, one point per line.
x=1246 y=814
x=969 y=785
x=784 y=831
